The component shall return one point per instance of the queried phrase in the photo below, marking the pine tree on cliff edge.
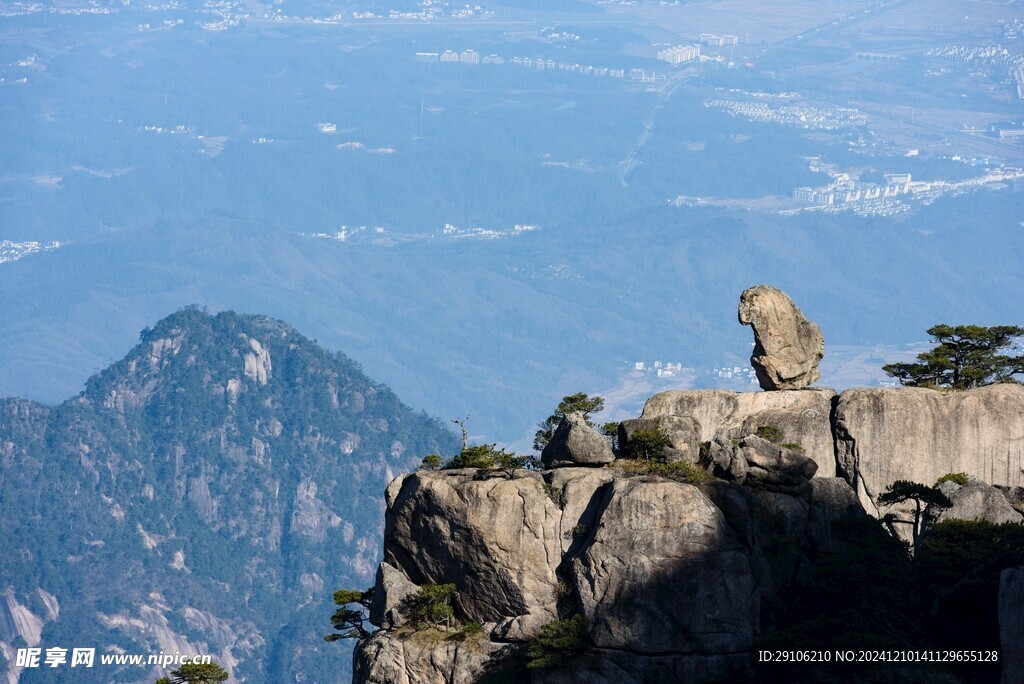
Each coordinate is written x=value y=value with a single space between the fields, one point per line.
x=966 y=356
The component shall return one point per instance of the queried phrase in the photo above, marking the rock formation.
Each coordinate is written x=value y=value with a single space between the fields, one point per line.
x=773 y=467
x=683 y=434
x=575 y=443
x=669 y=576
x=884 y=435
x=975 y=501
x=802 y=416
x=787 y=346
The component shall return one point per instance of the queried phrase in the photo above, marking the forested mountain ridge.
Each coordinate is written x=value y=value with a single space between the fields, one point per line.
x=207 y=491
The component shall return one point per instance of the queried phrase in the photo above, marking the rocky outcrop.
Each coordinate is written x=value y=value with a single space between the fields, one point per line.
x=663 y=572
x=391 y=591
x=884 y=435
x=669 y=576
x=575 y=443
x=802 y=416
x=494 y=538
x=423 y=658
x=683 y=434
x=975 y=501
x=787 y=346
x=1011 y=624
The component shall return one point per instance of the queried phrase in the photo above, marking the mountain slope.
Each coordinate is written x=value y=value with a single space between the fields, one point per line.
x=187 y=497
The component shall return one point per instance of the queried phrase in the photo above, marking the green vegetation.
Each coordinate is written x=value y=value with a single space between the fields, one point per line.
x=470 y=630
x=679 y=471
x=793 y=446
x=645 y=455
x=432 y=462
x=485 y=457
x=349 y=621
x=647 y=444
x=558 y=642
x=573 y=403
x=210 y=673
x=611 y=431
x=966 y=356
x=957 y=478
x=772 y=433
x=432 y=607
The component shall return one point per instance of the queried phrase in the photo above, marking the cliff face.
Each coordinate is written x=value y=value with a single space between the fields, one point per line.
x=883 y=435
x=669 y=576
x=873 y=437
x=672 y=578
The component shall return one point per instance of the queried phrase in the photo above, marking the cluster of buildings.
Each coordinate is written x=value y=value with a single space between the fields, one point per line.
x=472 y=57
x=12 y=251
x=798 y=115
x=680 y=53
x=661 y=370
x=712 y=40
x=736 y=373
x=895 y=195
x=983 y=54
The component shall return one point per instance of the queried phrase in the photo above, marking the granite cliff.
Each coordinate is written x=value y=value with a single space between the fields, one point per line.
x=673 y=577
x=759 y=502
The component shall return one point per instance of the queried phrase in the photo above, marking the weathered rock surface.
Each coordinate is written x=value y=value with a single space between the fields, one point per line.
x=494 y=538
x=975 y=501
x=802 y=415
x=683 y=435
x=1011 y=624
x=836 y=496
x=663 y=572
x=423 y=658
x=575 y=443
x=669 y=575
x=391 y=590
x=787 y=346
x=884 y=435
x=754 y=459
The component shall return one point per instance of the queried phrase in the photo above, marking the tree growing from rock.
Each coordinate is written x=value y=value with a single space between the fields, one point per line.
x=432 y=607
x=966 y=356
x=922 y=495
x=349 y=621
x=647 y=444
x=579 y=402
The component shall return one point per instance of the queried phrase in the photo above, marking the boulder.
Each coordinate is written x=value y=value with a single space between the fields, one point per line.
x=664 y=573
x=836 y=497
x=1011 y=624
x=777 y=468
x=391 y=590
x=802 y=415
x=1014 y=495
x=496 y=539
x=787 y=346
x=422 y=659
x=756 y=460
x=975 y=501
x=575 y=443
x=917 y=434
x=683 y=435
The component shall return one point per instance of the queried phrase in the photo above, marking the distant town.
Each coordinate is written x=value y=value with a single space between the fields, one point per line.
x=383 y=236
x=12 y=251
